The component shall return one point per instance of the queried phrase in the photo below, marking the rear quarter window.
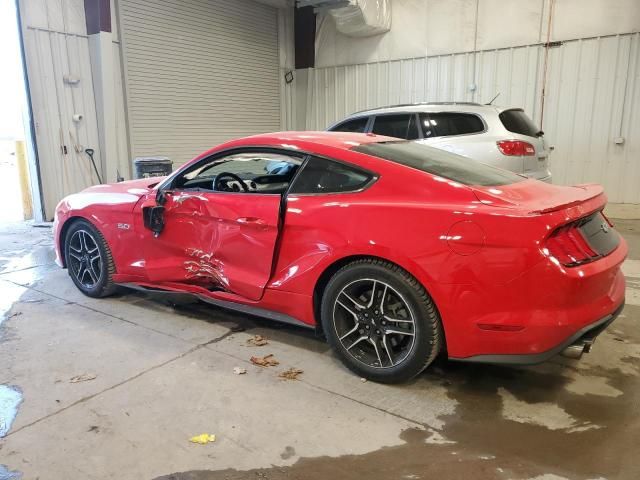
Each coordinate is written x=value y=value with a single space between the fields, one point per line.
x=320 y=175
x=440 y=163
x=516 y=121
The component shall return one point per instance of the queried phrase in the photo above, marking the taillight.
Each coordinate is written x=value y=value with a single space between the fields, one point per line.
x=516 y=148
x=569 y=247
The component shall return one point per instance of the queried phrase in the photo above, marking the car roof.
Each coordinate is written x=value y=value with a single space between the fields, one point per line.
x=291 y=140
x=433 y=107
x=307 y=141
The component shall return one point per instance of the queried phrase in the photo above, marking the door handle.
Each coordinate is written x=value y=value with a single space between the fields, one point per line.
x=251 y=221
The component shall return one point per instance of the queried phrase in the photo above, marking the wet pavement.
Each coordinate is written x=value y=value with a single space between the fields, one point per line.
x=10 y=399
x=152 y=375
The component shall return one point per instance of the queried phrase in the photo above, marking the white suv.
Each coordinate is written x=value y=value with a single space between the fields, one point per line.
x=502 y=137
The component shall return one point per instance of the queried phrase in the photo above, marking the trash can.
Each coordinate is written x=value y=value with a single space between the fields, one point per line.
x=152 y=166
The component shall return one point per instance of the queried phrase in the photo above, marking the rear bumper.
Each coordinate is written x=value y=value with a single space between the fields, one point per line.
x=584 y=336
x=536 y=313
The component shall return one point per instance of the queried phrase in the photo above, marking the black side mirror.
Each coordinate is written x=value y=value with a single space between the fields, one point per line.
x=153 y=218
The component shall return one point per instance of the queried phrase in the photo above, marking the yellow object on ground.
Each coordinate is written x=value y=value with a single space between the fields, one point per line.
x=203 y=438
x=23 y=173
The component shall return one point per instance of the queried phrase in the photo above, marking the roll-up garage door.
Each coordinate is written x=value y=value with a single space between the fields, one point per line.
x=198 y=72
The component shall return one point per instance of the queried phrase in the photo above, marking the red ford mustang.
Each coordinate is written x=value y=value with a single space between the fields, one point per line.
x=394 y=250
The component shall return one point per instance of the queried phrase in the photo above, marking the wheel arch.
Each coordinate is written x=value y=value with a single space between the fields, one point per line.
x=63 y=234
x=331 y=269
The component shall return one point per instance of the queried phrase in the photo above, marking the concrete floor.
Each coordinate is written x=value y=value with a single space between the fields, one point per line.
x=164 y=374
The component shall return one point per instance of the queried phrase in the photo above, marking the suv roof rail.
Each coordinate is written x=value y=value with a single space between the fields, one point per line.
x=474 y=104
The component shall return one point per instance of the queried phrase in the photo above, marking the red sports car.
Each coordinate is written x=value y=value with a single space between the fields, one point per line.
x=394 y=250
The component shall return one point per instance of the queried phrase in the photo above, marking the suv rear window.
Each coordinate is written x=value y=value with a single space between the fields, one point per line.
x=439 y=162
x=517 y=121
x=400 y=126
x=446 y=124
x=357 y=125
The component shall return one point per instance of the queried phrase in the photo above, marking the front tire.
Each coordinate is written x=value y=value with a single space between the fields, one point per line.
x=380 y=321
x=89 y=261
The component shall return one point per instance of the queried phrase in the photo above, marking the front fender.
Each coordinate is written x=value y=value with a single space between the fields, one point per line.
x=110 y=213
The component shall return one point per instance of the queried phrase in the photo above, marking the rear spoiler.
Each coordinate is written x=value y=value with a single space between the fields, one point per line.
x=592 y=193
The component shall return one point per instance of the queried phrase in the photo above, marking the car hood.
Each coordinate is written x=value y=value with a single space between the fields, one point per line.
x=138 y=187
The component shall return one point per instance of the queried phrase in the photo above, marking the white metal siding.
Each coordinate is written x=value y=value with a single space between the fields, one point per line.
x=592 y=97
x=198 y=73
x=56 y=45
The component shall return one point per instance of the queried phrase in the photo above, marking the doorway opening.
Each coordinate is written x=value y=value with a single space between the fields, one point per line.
x=17 y=156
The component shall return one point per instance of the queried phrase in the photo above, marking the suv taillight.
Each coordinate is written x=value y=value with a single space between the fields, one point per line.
x=569 y=247
x=516 y=148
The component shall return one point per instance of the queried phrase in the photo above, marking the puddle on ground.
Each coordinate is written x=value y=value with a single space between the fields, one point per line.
x=6 y=474
x=10 y=399
x=414 y=459
x=9 y=295
x=24 y=259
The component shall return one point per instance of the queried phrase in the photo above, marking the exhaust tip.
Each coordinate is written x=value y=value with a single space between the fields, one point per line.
x=574 y=351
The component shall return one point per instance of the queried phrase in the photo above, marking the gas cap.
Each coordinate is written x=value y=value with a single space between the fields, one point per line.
x=465 y=238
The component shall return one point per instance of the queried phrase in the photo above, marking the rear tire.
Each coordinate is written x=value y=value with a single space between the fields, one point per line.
x=89 y=260
x=380 y=321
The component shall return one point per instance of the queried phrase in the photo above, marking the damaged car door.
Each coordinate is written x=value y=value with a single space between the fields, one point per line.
x=220 y=223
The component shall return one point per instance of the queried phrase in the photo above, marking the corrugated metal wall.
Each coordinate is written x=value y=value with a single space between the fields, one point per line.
x=592 y=97
x=198 y=73
x=56 y=46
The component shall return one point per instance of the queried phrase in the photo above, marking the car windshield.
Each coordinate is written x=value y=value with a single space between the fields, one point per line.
x=438 y=162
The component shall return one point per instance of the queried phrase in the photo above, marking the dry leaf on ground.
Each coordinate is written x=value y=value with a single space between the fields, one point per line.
x=257 y=341
x=266 y=361
x=85 y=377
x=290 y=374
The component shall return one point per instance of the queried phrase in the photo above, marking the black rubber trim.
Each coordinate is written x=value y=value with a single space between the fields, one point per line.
x=590 y=331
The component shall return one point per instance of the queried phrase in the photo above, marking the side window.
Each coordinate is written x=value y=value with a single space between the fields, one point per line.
x=358 y=125
x=399 y=126
x=326 y=176
x=260 y=172
x=446 y=124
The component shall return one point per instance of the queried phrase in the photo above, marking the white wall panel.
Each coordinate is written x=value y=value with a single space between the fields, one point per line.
x=50 y=57
x=438 y=27
x=58 y=15
x=198 y=73
x=125 y=167
x=592 y=97
x=56 y=46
